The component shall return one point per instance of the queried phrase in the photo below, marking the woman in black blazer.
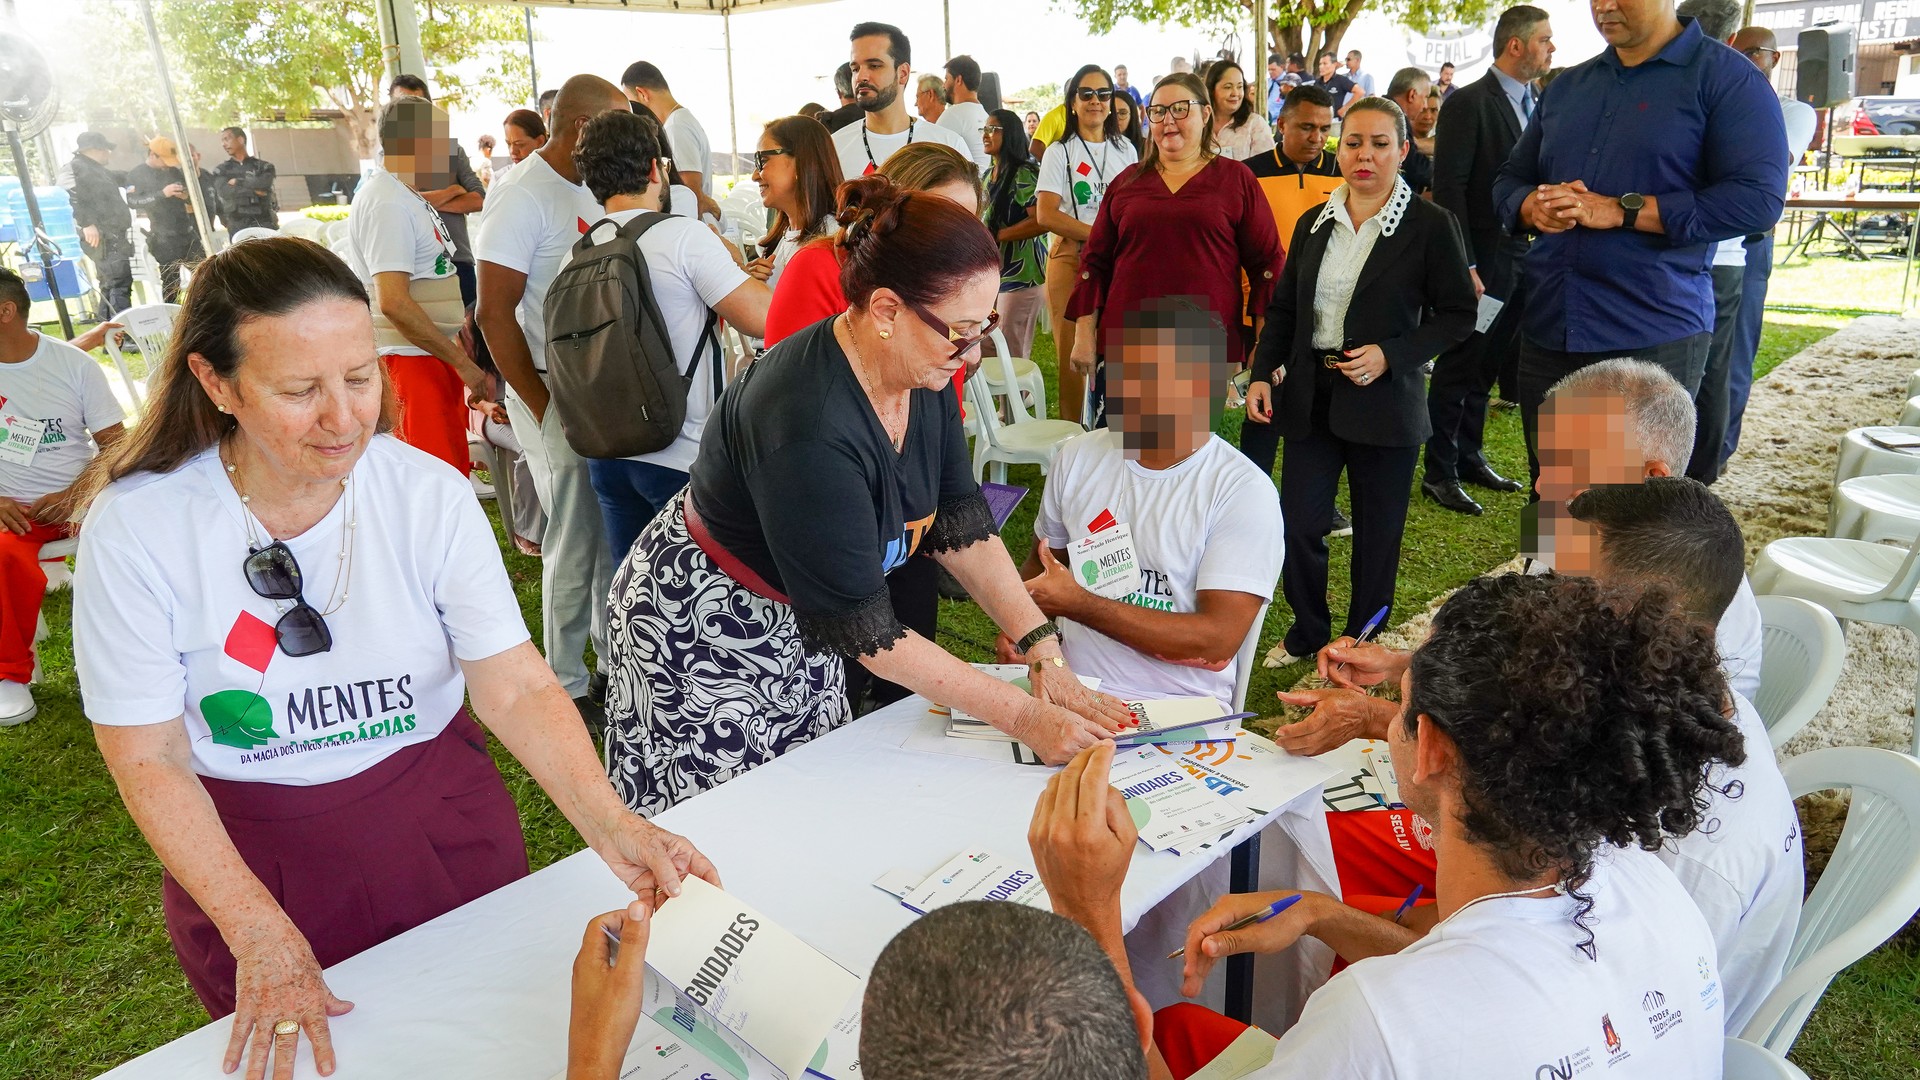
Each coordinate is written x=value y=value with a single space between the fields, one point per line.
x=1375 y=285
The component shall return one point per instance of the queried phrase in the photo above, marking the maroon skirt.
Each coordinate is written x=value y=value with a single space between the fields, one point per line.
x=360 y=860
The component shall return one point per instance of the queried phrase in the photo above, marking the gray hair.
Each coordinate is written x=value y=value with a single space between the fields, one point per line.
x=985 y=990
x=1406 y=79
x=1659 y=408
x=933 y=84
x=1718 y=19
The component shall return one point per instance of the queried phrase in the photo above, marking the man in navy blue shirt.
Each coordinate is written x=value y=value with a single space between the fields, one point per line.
x=1639 y=161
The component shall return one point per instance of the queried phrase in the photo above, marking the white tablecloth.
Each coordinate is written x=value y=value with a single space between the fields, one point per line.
x=483 y=991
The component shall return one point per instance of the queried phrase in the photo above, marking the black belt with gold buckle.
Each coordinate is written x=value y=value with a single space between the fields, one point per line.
x=1332 y=360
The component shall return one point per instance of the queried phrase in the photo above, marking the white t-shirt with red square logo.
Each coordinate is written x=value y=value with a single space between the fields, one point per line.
x=533 y=218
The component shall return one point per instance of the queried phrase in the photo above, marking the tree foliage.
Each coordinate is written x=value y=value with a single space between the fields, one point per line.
x=1302 y=26
x=237 y=60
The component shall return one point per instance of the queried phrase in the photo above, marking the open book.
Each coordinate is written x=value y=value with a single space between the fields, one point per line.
x=729 y=992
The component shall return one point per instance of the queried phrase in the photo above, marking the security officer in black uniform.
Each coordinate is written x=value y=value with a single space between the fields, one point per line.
x=100 y=213
x=243 y=186
x=159 y=190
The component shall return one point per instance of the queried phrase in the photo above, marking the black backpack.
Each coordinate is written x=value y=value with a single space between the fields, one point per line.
x=610 y=365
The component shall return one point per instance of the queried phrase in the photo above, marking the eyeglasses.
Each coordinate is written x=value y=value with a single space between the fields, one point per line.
x=1088 y=93
x=274 y=574
x=1179 y=110
x=962 y=345
x=1755 y=52
x=761 y=157
x=992 y=129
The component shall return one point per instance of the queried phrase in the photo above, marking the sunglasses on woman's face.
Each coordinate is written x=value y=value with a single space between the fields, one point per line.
x=1179 y=110
x=1088 y=93
x=274 y=574
x=761 y=157
x=962 y=344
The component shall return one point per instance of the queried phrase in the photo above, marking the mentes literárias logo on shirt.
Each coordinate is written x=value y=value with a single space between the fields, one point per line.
x=313 y=717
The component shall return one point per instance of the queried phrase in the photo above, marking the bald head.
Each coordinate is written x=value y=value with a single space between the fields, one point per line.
x=1757 y=43
x=582 y=98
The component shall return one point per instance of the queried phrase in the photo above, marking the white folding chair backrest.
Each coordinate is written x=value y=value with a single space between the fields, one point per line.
x=335 y=236
x=141 y=345
x=1870 y=889
x=1003 y=365
x=1907 y=578
x=1802 y=652
x=981 y=409
x=1745 y=1061
x=1247 y=659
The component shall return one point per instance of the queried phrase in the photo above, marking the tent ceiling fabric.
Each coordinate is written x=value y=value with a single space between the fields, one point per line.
x=676 y=7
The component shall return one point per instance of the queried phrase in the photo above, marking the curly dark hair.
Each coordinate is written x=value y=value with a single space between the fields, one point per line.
x=1584 y=716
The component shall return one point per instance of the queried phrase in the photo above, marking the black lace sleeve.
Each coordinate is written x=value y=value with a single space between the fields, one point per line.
x=870 y=627
x=960 y=523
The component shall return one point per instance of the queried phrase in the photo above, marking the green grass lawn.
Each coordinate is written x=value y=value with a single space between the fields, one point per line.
x=88 y=980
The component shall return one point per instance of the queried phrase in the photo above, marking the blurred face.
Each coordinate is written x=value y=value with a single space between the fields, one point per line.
x=877 y=81
x=924 y=354
x=1353 y=63
x=1446 y=74
x=1588 y=440
x=231 y=143
x=1628 y=24
x=519 y=143
x=1163 y=391
x=1033 y=123
x=1178 y=137
x=1534 y=51
x=416 y=148
x=1428 y=115
x=1760 y=46
x=992 y=138
x=1273 y=70
x=1370 y=152
x=927 y=101
x=1092 y=101
x=307 y=391
x=1327 y=67
x=486 y=145
x=1304 y=130
x=779 y=181
x=1120 y=74
x=1415 y=99
x=1229 y=92
x=1122 y=111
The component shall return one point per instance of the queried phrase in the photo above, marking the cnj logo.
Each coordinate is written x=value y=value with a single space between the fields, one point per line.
x=1555 y=1070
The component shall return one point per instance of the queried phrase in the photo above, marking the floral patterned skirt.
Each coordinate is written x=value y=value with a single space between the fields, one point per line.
x=705 y=678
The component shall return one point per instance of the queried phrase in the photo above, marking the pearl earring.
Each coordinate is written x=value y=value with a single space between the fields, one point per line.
x=222 y=408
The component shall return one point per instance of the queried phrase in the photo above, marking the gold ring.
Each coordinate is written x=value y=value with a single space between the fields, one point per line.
x=287 y=1027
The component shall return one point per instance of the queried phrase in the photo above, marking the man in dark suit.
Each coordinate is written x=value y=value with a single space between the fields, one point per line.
x=1477 y=131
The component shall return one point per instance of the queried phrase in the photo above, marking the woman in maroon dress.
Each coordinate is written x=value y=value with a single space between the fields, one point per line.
x=1183 y=221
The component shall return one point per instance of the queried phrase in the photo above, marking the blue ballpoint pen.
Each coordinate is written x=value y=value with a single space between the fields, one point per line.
x=1260 y=916
x=1366 y=632
x=1407 y=904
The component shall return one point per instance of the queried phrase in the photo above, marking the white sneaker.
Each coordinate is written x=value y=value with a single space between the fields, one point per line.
x=1279 y=657
x=16 y=703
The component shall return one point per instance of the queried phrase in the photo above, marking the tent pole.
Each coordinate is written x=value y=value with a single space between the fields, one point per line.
x=946 y=23
x=189 y=172
x=733 y=130
x=533 y=69
x=399 y=38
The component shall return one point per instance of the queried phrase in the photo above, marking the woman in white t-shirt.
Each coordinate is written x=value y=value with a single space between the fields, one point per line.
x=1238 y=131
x=1074 y=174
x=798 y=172
x=296 y=751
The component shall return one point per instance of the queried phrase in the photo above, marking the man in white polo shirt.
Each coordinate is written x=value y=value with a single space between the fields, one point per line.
x=1197 y=515
x=535 y=214
x=52 y=398
x=964 y=115
x=1745 y=870
x=882 y=65
x=1548 y=952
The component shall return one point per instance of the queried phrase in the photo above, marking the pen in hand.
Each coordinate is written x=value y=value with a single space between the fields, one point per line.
x=1367 y=631
x=1260 y=916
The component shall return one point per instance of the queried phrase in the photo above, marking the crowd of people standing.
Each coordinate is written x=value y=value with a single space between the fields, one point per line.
x=771 y=568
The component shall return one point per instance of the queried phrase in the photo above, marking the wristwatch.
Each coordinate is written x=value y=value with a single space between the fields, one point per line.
x=1037 y=635
x=1630 y=205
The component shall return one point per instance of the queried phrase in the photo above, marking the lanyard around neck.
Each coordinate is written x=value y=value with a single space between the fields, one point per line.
x=872 y=165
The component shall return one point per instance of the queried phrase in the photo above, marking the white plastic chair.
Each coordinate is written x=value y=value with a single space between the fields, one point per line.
x=139 y=347
x=1910 y=416
x=1913 y=385
x=1023 y=441
x=1026 y=375
x=53 y=563
x=146 y=272
x=1248 y=658
x=1802 y=652
x=335 y=236
x=1745 y=1061
x=1877 y=508
x=1870 y=889
x=1861 y=456
x=1850 y=578
x=303 y=226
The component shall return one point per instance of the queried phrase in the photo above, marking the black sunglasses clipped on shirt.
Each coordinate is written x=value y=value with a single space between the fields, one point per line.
x=274 y=574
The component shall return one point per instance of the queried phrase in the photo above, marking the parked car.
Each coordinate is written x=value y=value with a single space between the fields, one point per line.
x=1878 y=116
